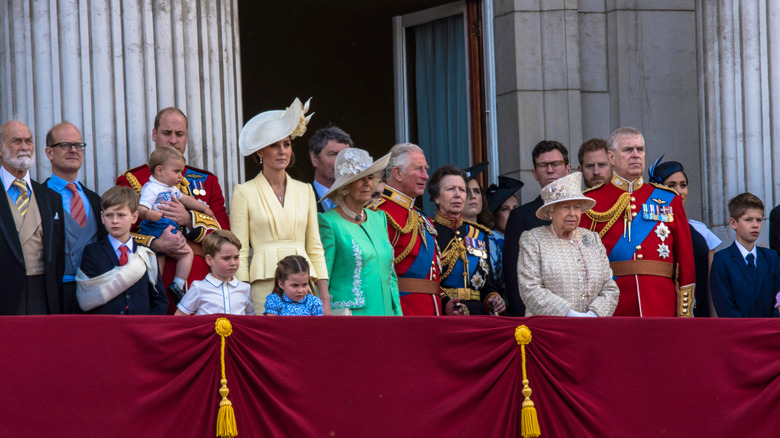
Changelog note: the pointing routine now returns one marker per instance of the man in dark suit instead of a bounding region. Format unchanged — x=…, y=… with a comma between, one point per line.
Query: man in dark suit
x=31, y=231
x=81, y=221
x=551, y=161
x=324, y=145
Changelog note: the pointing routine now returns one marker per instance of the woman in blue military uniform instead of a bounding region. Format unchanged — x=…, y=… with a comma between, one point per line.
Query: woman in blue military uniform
x=466, y=274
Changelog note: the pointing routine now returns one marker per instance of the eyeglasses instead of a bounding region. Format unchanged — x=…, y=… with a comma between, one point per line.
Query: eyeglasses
x=66, y=146
x=556, y=165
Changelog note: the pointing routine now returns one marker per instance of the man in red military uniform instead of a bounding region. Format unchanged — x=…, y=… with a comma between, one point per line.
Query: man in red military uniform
x=645, y=231
x=411, y=233
x=170, y=129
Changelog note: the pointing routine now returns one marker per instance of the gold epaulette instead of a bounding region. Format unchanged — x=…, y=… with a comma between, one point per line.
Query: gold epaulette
x=661, y=186
x=593, y=188
x=133, y=181
x=480, y=226
x=184, y=186
x=141, y=239
x=621, y=207
x=377, y=202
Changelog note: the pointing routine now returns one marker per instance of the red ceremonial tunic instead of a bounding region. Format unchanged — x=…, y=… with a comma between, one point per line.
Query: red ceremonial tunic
x=666, y=240
x=413, y=260
x=201, y=185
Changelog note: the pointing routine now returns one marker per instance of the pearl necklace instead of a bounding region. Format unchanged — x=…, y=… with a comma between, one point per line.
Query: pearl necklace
x=351, y=214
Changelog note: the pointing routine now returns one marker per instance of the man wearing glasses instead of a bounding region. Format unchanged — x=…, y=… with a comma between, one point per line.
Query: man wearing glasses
x=31, y=231
x=551, y=161
x=81, y=206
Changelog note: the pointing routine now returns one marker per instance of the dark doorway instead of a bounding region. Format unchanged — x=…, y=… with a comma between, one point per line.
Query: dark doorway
x=339, y=53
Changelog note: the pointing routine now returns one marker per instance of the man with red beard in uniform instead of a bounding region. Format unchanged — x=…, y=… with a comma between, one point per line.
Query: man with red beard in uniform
x=170, y=129
x=645, y=231
x=412, y=234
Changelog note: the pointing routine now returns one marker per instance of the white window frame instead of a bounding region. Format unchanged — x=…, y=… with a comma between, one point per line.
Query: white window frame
x=400, y=23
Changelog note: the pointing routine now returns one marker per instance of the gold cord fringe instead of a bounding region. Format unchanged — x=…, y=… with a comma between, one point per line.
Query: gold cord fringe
x=529, y=423
x=622, y=206
x=226, y=418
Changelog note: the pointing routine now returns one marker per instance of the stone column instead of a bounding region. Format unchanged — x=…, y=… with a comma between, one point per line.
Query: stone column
x=537, y=81
x=108, y=66
x=739, y=65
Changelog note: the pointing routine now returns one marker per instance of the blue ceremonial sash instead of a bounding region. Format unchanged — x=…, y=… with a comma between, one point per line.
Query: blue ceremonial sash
x=422, y=263
x=640, y=228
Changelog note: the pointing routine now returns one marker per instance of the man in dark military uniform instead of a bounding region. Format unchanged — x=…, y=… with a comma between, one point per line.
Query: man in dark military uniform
x=645, y=231
x=170, y=129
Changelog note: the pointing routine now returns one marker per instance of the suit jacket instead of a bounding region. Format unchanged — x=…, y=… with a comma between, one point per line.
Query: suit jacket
x=735, y=292
x=12, y=267
x=95, y=208
x=274, y=231
x=521, y=219
x=140, y=299
x=320, y=207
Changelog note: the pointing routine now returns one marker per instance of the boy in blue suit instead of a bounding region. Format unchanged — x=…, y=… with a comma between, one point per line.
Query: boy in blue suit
x=117, y=275
x=744, y=277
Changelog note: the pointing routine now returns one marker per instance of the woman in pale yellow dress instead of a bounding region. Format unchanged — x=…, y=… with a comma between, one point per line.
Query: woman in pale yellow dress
x=273, y=214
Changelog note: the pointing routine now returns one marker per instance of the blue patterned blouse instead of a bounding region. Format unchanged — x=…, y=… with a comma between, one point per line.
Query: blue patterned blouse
x=309, y=306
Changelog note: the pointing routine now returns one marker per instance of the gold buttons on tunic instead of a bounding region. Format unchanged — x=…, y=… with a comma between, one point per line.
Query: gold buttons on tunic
x=639, y=247
x=639, y=257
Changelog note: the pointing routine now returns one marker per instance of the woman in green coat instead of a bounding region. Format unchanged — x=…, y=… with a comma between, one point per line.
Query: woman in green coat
x=357, y=248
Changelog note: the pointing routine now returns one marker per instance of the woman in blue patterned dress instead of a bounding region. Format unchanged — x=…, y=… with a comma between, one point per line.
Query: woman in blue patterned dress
x=355, y=240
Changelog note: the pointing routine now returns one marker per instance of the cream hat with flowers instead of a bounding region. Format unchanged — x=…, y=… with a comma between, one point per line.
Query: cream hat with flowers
x=568, y=188
x=269, y=127
x=353, y=164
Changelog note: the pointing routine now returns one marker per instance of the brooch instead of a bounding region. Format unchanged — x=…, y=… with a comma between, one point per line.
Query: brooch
x=663, y=250
x=662, y=231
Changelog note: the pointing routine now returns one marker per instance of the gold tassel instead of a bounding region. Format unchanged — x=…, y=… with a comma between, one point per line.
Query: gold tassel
x=226, y=418
x=529, y=423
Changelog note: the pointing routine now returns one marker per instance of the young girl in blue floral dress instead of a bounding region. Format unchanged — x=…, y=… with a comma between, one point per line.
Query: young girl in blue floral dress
x=291, y=290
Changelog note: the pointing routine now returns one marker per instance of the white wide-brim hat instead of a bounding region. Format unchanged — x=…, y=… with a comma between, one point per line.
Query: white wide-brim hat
x=353, y=164
x=269, y=127
x=565, y=189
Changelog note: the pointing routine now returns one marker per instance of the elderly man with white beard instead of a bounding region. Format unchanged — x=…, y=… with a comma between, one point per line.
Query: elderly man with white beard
x=31, y=231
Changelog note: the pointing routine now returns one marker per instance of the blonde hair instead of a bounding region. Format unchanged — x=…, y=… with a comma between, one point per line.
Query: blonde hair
x=161, y=155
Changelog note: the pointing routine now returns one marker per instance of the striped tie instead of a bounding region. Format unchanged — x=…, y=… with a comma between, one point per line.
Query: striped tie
x=76, y=205
x=23, y=201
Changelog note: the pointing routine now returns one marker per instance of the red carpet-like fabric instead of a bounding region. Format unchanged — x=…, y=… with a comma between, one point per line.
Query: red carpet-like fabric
x=99, y=376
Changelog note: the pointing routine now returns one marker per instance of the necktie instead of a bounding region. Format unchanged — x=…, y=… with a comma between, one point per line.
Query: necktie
x=123, y=256
x=751, y=259
x=76, y=205
x=23, y=201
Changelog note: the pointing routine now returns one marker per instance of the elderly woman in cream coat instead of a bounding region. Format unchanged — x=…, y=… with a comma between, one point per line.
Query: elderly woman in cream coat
x=273, y=214
x=563, y=270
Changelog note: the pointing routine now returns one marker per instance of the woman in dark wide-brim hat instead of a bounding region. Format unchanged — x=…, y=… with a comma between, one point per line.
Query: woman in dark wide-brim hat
x=672, y=174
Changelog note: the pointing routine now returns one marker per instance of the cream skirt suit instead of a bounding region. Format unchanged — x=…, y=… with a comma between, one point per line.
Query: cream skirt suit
x=274, y=231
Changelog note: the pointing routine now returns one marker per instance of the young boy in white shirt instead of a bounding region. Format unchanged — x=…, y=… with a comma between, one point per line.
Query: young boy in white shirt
x=220, y=291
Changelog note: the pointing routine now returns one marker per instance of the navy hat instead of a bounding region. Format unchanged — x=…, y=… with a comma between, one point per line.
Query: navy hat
x=497, y=194
x=659, y=172
x=476, y=169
